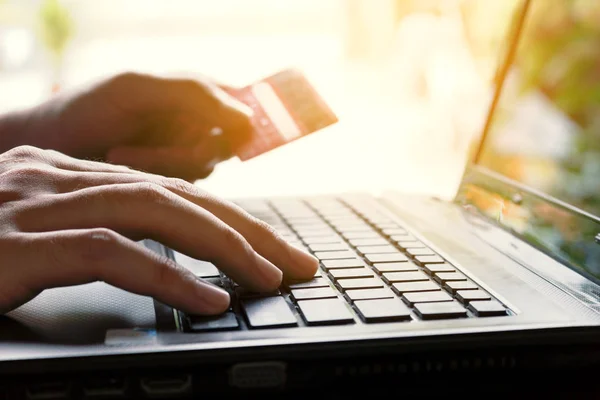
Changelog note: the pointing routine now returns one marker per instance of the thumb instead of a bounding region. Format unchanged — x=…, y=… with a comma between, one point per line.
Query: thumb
x=189, y=163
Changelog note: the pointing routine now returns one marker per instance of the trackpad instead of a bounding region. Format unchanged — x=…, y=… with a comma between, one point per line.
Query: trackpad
x=77, y=315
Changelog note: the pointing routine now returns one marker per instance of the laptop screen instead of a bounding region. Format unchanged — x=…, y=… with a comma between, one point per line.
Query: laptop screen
x=545, y=132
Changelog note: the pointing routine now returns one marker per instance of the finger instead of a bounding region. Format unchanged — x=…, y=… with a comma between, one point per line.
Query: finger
x=147, y=210
x=188, y=163
x=295, y=263
x=73, y=257
x=140, y=92
x=65, y=162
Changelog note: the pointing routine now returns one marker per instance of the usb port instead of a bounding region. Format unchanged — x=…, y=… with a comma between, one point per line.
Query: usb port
x=166, y=385
x=48, y=390
x=104, y=387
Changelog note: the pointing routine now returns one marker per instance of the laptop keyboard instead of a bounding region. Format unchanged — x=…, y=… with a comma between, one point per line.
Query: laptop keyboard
x=372, y=270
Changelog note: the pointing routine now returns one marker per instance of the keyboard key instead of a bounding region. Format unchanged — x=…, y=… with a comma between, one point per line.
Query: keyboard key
x=366, y=294
x=360, y=283
x=202, y=269
x=413, y=244
x=445, y=310
x=352, y=228
x=444, y=277
x=318, y=273
x=382, y=310
x=377, y=249
x=430, y=259
x=487, y=308
x=313, y=283
x=395, y=267
x=311, y=233
x=328, y=247
x=394, y=231
x=368, y=242
x=433, y=268
x=414, y=276
x=335, y=255
x=385, y=224
x=421, y=251
x=362, y=235
x=465, y=296
x=201, y=323
x=268, y=312
x=363, y=272
x=243, y=292
x=378, y=258
x=325, y=312
x=454, y=286
x=322, y=239
x=314, y=293
x=408, y=287
x=406, y=237
x=335, y=264
x=426, y=297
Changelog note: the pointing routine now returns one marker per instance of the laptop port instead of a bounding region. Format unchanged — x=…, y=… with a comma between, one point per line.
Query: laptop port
x=258, y=375
x=166, y=385
x=48, y=390
x=104, y=387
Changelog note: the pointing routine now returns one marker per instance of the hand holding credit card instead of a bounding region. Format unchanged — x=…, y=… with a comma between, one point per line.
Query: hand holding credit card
x=286, y=107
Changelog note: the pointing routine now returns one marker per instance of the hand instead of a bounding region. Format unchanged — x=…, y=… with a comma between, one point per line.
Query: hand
x=158, y=125
x=66, y=221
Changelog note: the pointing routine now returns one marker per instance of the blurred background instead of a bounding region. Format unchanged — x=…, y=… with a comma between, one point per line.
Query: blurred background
x=410, y=80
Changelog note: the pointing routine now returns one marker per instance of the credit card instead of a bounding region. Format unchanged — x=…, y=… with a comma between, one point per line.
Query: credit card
x=286, y=108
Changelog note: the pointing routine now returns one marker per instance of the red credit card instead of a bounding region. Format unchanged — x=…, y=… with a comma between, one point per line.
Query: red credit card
x=286, y=107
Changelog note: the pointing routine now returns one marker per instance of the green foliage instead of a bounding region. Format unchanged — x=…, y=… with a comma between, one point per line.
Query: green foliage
x=56, y=27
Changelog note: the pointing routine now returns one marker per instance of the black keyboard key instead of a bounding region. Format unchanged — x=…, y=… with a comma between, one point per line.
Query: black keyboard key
x=411, y=276
x=454, y=286
x=322, y=239
x=381, y=258
x=465, y=296
x=363, y=272
x=335, y=264
x=314, y=293
x=202, y=323
x=426, y=297
x=429, y=259
x=368, y=242
x=433, y=268
x=382, y=310
x=243, y=292
x=359, y=283
x=377, y=249
x=445, y=310
x=313, y=283
x=487, y=308
x=421, y=251
x=409, y=287
x=362, y=235
x=268, y=312
x=335, y=255
x=328, y=247
x=325, y=312
x=202, y=269
x=367, y=294
x=395, y=267
x=443, y=277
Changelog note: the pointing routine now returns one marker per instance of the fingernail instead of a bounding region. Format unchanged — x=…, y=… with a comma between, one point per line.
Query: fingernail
x=244, y=109
x=213, y=299
x=304, y=265
x=271, y=275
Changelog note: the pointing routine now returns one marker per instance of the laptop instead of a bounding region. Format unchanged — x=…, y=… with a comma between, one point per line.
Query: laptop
x=413, y=294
